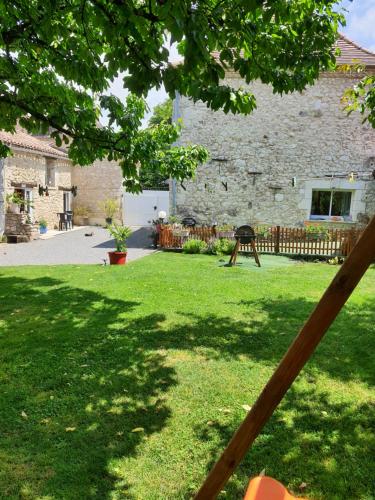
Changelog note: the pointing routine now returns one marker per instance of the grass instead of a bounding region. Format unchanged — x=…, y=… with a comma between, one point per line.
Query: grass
x=127, y=383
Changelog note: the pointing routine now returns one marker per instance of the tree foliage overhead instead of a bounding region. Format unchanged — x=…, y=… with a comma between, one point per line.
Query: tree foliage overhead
x=149, y=176
x=361, y=98
x=162, y=113
x=58, y=58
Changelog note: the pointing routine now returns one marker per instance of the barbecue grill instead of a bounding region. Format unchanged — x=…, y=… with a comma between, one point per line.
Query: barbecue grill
x=245, y=235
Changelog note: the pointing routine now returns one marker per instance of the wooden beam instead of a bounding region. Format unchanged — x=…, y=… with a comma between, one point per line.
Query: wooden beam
x=23, y=185
x=331, y=303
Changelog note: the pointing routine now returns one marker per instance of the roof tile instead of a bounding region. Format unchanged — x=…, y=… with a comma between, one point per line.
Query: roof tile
x=26, y=141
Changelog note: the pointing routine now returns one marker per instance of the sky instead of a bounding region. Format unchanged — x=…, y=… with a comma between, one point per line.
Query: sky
x=360, y=22
x=360, y=27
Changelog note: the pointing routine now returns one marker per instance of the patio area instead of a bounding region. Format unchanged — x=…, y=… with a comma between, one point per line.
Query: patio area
x=82, y=245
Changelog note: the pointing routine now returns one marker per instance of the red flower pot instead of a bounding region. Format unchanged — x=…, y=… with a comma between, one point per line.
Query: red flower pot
x=117, y=258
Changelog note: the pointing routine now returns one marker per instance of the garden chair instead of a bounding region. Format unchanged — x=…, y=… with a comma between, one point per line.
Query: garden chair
x=63, y=221
x=69, y=219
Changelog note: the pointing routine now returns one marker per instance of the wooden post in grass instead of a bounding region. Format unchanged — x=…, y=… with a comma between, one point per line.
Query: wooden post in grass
x=331, y=303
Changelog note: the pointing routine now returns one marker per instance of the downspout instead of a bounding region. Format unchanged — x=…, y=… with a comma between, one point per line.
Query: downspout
x=175, y=118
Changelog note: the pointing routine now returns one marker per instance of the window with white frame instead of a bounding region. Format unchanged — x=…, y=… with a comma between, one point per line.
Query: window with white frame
x=50, y=173
x=27, y=195
x=331, y=202
x=67, y=198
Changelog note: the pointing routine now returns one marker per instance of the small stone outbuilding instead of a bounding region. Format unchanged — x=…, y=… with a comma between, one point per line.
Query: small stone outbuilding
x=44, y=176
x=296, y=158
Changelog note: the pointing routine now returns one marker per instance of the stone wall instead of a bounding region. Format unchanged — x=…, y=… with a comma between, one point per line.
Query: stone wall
x=96, y=183
x=254, y=158
x=29, y=169
x=15, y=224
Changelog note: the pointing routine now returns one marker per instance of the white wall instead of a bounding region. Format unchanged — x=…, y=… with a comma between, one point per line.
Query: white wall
x=141, y=209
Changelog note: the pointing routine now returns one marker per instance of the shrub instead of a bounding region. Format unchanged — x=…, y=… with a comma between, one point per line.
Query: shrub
x=227, y=246
x=194, y=246
x=109, y=207
x=316, y=232
x=222, y=246
x=263, y=231
x=225, y=227
x=81, y=211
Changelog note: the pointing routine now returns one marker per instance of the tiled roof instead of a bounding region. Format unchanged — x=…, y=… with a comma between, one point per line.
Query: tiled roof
x=353, y=53
x=26, y=141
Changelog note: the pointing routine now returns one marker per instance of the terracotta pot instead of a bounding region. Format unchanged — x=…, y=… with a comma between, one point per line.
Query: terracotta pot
x=117, y=258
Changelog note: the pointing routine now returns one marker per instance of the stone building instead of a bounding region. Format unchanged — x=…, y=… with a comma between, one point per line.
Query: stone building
x=296, y=158
x=35, y=168
x=96, y=183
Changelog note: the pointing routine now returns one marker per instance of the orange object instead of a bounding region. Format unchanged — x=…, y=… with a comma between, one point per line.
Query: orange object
x=267, y=488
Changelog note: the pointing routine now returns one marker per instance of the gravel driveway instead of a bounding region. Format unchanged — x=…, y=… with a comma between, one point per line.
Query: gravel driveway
x=73, y=247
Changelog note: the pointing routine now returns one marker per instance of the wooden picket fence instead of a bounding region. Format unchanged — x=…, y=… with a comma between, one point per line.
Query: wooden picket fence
x=276, y=239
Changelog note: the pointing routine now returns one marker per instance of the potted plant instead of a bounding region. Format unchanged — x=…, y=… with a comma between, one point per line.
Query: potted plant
x=81, y=216
x=42, y=226
x=225, y=231
x=120, y=235
x=109, y=207
x=15, y=201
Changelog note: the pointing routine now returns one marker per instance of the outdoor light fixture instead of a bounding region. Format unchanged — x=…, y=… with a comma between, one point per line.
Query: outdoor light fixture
x=162, y=215
x=74, y=190
x=351, y=177
x=43, y=190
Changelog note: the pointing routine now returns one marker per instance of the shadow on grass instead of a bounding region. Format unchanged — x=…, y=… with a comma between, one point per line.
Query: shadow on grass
x=328, y=446
x=345, y=353
x=82, y=374
x=78, y=382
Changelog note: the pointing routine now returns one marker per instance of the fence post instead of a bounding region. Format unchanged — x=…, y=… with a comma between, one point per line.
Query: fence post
x=277, y=241
x=353, y=238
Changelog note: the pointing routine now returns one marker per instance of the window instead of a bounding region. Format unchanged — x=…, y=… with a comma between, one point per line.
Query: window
x=27, y=195
x=50, y=173
x=327, y=203
x=67, y=201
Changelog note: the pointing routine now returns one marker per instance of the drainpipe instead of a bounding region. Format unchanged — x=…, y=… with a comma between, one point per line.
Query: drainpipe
x=175, y=117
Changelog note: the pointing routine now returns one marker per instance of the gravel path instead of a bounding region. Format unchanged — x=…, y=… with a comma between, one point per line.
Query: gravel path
x=73, y=248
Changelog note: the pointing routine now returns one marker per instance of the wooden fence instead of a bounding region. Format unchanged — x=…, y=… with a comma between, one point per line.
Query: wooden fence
x=276, y=239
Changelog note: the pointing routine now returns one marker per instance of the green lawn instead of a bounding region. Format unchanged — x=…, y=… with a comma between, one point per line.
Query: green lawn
x=126, y=383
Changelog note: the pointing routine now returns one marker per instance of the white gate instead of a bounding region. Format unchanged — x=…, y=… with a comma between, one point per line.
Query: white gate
x=141, y=209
